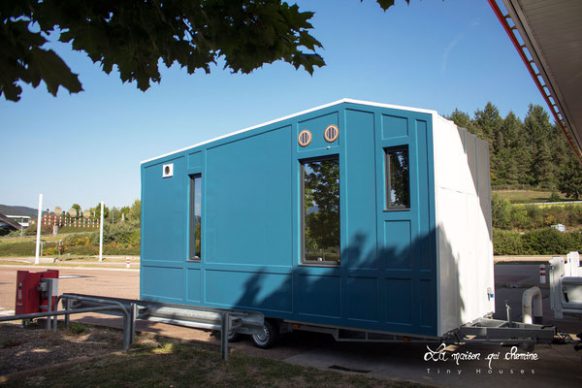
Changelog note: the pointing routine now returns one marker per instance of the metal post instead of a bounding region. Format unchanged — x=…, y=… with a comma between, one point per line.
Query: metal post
x=101, y=234
x=67, y=303
x=508, y=310
x=49, y=306
x=126, y=331
x=542, y=274
x=38, y=229
x=54, y=292
x=224, y=331
x=132, y=319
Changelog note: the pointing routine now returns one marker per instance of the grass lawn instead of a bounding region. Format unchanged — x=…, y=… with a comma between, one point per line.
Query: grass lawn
x=81, y=246
x=526, y=196
x=164, y=363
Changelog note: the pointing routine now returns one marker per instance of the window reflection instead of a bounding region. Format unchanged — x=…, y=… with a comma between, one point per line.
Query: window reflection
x=321, y=210
x=196, y=217
x=397, y=178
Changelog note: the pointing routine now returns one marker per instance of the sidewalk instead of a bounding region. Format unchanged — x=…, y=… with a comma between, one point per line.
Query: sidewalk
x=120, y=262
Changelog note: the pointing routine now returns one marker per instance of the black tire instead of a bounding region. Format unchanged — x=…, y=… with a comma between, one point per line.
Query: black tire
x=267, y=337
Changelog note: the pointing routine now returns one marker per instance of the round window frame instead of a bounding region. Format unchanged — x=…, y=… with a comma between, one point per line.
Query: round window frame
x=328, y=138
x=309, y=137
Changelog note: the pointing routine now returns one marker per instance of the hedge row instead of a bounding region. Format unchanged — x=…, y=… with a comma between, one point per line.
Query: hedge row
x=523, y=217
x=118, y=239
x=545, y=241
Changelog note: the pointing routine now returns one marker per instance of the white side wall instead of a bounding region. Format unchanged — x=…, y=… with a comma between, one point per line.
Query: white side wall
x=464, y=231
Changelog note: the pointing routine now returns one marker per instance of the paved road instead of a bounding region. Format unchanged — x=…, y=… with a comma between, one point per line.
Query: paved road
x=106, y=282
x=558, y=365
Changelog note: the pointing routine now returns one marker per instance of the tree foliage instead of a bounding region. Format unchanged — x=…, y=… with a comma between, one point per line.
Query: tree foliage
x=532, y=153
x=137, y=37
x=571, y=179
x=97, y=211
x=322, y=232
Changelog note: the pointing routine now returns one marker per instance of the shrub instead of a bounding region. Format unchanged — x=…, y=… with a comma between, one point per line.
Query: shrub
x=123, y=233
x=523, y=217
x=501, y=209
x=554, y=197
x=507, y=243
x=24, y=248
x=519, y=218
x=550, y=242
x=545, y=241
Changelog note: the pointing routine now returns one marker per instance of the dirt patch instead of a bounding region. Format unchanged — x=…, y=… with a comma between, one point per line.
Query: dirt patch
x=91, y=357
x=33, y=347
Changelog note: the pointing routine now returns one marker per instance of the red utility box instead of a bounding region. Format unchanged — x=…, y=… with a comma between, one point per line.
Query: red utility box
x=29, y=296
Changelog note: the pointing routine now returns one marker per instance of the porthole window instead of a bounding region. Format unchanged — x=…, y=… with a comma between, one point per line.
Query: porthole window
x=304, y=138
x=331, y=133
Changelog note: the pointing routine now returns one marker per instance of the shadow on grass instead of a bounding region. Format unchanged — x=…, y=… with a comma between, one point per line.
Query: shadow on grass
x=171, y=363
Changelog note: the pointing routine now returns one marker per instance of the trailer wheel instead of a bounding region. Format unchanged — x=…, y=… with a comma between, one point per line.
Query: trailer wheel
x=267, y=337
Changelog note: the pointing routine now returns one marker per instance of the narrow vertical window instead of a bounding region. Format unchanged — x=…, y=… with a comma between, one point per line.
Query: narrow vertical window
x=195, y=217
x=397, y=178
x=321, y=211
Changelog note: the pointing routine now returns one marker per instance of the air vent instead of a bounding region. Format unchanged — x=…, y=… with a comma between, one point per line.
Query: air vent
x=168, y=170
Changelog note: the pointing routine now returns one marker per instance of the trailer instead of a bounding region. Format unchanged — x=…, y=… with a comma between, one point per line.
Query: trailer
x=354, y=216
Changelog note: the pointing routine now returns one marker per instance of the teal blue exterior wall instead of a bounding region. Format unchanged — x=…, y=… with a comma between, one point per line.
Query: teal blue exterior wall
x=251, y=225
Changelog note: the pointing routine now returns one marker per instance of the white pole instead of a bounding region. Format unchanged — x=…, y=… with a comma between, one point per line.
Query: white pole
x=38, y=228
x=101, y=235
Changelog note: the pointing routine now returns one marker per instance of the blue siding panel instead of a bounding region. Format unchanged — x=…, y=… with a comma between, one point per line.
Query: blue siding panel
x=394, y=126
x=251, y=230
x=194, y=285
x=249, y=201
x=253, y=289
x=164, y=217
x=328, y=291
x=358, y=289
x=399, y=302
x=397, y=244
x=163, y=282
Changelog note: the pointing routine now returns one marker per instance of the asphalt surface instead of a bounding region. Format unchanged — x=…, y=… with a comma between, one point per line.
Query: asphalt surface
x=556, y=365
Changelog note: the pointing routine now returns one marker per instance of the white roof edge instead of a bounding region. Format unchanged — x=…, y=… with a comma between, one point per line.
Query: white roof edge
x=343, y=100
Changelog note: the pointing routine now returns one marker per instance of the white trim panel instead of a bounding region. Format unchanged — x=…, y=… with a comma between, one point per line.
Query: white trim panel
x=463, y=222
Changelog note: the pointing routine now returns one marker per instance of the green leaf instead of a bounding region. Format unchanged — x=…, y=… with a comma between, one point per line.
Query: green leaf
x=54, y=71
x=135, y=38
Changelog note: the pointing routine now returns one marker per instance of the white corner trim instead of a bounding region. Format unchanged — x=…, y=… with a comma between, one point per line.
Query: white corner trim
x=338, y=102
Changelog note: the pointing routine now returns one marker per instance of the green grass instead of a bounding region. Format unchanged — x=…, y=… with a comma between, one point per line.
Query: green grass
x=21, y=248
x=77, y=244
x=171, y=364
x=526, y=196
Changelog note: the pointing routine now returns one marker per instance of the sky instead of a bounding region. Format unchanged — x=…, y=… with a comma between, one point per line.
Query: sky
x=87, y=147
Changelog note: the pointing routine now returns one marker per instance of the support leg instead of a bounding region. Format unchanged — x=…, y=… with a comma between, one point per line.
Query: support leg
x=224, y=331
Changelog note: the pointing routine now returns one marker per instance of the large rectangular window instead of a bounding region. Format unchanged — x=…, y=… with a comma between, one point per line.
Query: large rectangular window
x=195, y=217
x=320, y=179
x=397, y=178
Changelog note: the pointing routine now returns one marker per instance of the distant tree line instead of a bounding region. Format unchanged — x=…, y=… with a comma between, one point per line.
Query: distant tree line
x=532, y=153
x=130, y=213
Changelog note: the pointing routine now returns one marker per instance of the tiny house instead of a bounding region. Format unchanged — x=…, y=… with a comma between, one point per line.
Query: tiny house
x=353, y=215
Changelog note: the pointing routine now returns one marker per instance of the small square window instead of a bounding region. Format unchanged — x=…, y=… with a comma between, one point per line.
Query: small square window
x=397, y=178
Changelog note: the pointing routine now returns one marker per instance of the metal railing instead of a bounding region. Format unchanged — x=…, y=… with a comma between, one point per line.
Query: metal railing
x=128, y=326
x=222, y=320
